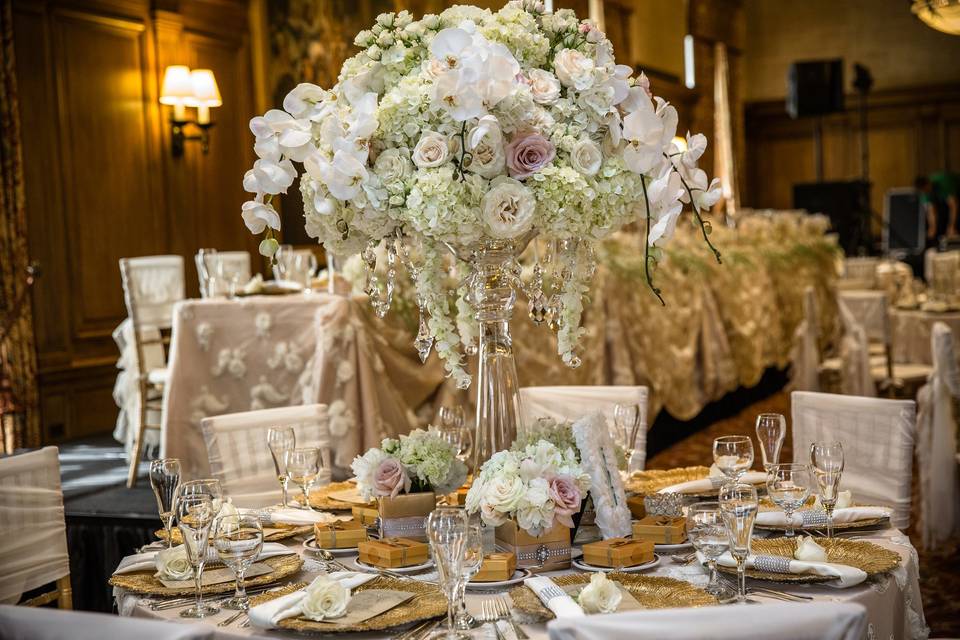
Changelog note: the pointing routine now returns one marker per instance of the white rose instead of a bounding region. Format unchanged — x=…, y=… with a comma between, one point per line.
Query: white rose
x=574, y=69
x=501, y=497
x=809, y=551
x=432, y=150
x=508, y=208
x=586, y=157
x=602, y=595
x=173, y=564
x=364, y=467
x=544, y=86
x=393, y=167
x=228, y=510
x=325, y=599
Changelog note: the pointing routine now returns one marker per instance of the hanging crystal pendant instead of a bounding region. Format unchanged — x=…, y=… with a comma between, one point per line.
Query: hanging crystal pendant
x=537, y=301
x=423, y=343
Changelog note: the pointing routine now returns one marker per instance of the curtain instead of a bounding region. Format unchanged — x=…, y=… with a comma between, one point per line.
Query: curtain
x=18, y=363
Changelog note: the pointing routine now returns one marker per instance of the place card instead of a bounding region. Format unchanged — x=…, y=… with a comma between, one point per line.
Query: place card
x=368, y=604
x=218, y=576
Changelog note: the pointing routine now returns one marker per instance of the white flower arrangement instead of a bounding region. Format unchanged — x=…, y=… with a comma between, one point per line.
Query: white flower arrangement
x=474, y=126
x=419, y=461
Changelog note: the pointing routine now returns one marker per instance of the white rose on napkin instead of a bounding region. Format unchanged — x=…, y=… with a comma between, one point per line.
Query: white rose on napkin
x=173, y=564
x=809, y=551
x=844, y=501
x=326, y=598
x=601, y=595
x=227, y=509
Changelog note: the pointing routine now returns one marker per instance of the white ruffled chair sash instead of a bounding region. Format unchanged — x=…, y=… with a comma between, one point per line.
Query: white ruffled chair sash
x=805, y=356
x=126, y=390
x=855, y=376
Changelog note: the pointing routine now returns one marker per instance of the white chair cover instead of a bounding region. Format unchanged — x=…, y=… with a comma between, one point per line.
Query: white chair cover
x=126, y=390
x=573, y=402
x=937, y=442
x=856, y=378
x=156, y=284
x=234, y=265
x=859, y=273
x=805, y=358
x=240, y=458
x=33, y=535
x=869, y=310
x=878, y=438
x=30, y=623
x=781, y=621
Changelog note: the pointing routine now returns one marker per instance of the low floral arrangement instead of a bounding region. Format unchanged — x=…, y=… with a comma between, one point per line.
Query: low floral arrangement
x=560, y=434
x=419, y=461
x=538, y=486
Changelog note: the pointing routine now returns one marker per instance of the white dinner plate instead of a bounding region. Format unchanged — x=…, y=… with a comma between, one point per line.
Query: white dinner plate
x=671, y=548
x=363, y=566
x=310, y=544
x=518, y=576
x=580, y=564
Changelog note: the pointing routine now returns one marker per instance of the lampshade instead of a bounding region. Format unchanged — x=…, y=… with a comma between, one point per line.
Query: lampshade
x=942, y=15
x=205, y=90
x=177, y=87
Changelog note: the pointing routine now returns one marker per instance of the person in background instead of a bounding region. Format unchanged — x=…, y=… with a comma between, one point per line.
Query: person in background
x=939, y=195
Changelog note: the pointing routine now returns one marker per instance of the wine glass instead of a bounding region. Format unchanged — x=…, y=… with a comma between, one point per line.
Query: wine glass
x=451, y=430
x=771, y=431
x=708, y=534
x=626, y=422
x=165, y=480
x=238, y=540
x=195, y=513
x=447, y=531
x=303, y=465
x=280, y=440
x=739, y=506
x=210, y=486
x=788, y=485
x=472, y=560
x=826, y=461
x=733, y=455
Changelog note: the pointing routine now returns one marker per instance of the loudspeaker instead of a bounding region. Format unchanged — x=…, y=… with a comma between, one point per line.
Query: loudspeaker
x=847, y=204
x=815, y=88
x=904, y=222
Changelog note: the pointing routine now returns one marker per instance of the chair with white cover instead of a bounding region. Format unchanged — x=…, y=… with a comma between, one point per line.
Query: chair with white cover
x=573, y=402
x=853, y=365
x=878, y=437
x=20, y=623
x=240, y=458
x=805, y=356
x=780, y=621
x=151, y=286
x=858, y=273
x=232, y=266
x=937, y=442
x=33, y=534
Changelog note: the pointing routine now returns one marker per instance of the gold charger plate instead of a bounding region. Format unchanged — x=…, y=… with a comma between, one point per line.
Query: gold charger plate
x=653, y=480
x=144, y=582
x=867, y=556
x=320, y=497
x=767, y=505
x=286, y=531
x=428, y=602
x=652, y=592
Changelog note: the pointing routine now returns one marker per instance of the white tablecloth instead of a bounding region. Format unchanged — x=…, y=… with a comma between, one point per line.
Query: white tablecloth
x=911, y=333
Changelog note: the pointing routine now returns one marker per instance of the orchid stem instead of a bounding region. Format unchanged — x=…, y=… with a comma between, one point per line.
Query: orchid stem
x=646, y=246
x=696, y=213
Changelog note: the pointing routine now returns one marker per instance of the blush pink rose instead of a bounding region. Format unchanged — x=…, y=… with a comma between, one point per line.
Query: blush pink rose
x=390, y=478
x=566, y=498
x=527, y=154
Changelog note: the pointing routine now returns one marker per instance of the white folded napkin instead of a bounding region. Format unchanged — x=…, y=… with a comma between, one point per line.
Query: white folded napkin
x=287, y=515
x=845, y=575
x=705, y=485
x=254, y=285
x=840, y=516
x=553, y=597
x=146, y=561
x=269, y=614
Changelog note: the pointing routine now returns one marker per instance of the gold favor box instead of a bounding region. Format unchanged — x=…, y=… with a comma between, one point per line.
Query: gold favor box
x=546, y=552
x=365, y=515
x=392, y=553
x=496, y=567
x=406, y=515
x=661, y=529
x=637, y=508
x=339, y=535
x=618, y=552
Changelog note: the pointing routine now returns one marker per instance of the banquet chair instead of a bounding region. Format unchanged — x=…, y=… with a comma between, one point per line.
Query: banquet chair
x=574, y=402
x=853, y=364
x=240, y=458
x=33, y=533
x=878, y=437
x=805, y=355
x=19, y=623
x=858, y=273
x=937, y=441
x=233, y=265
x=151, y=286
x=780, y=621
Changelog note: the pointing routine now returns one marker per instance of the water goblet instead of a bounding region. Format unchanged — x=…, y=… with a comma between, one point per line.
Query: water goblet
x=771, y=431
x=739, y=506
x=826, y=461
x=280, y=440
x=626, y=421
x=447, y=532
x=708, y=534
x=303, y=465
x=472, y=560
x=165, y=480
x=788, y=485
x=195, y=513
x=238, y=540
x=733, y=455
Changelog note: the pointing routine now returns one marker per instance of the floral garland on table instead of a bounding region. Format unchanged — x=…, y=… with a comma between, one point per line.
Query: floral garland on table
x=420, y=461
x=472, y=127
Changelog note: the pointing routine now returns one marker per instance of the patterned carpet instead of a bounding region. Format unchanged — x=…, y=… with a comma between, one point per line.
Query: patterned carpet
x=939, y=569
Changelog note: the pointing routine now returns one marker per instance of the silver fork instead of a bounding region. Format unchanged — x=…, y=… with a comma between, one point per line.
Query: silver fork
x=488, y=613
x=773, y=593
x=231, y=619
x=503, y=609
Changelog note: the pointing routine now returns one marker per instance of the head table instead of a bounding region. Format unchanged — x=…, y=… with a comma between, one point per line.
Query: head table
x=892, y=601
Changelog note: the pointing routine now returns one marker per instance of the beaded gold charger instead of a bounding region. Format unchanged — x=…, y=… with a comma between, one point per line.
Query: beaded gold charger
x=320, y=497
x=144, y=581
x=427, y=602
x=282, y=532
x=767, y=505
x=652, y=592
x=653, y=480
x=866, y=556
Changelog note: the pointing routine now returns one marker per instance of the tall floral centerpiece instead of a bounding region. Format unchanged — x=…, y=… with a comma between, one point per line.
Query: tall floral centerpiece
x=449, y=143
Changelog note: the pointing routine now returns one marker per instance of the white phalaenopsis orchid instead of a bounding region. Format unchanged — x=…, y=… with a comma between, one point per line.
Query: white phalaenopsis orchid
x=269, y=176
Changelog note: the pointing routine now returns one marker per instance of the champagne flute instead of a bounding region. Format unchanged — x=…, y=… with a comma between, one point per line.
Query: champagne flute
x=771, y=431
x=195, y=513
x=165, y=480
x=303, y=464
x=280, y=440
x=788, y=485
x=826, y=460
x=472, y=560
x=739, y=506
x=238, y=540
x=626, y=420
x=447, y=532
x=708, y=534
x=733, y=455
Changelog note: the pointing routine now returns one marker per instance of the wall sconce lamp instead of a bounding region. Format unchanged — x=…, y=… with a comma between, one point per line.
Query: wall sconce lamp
x=184, y=88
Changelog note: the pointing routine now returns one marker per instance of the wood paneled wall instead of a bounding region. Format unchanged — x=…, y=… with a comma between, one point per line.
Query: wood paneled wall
x=100, y=181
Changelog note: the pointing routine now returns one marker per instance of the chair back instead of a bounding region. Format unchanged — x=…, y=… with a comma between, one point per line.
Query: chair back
x=33, y=534
x=573, y=402
x=859, y=273
x=856, y=377
x=805, y=358
x=151, y=286
x=240, y=458
x=229, y=265
x=878, y=438
x=869, y=310
x=21, y=623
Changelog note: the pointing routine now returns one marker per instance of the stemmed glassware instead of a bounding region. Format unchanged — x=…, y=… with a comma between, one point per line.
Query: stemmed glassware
x=472, y=559
x=453, y=430
x=626, y=424
x=447, y=531
x=771, y=431
x=826, y=461
x=195, y=513
x=303, y=465
x=238, y=540
x=733, y=455
x=165, y=480
x=708, y=534
x=788, y=485
x=280, y=440
x=739, y=506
